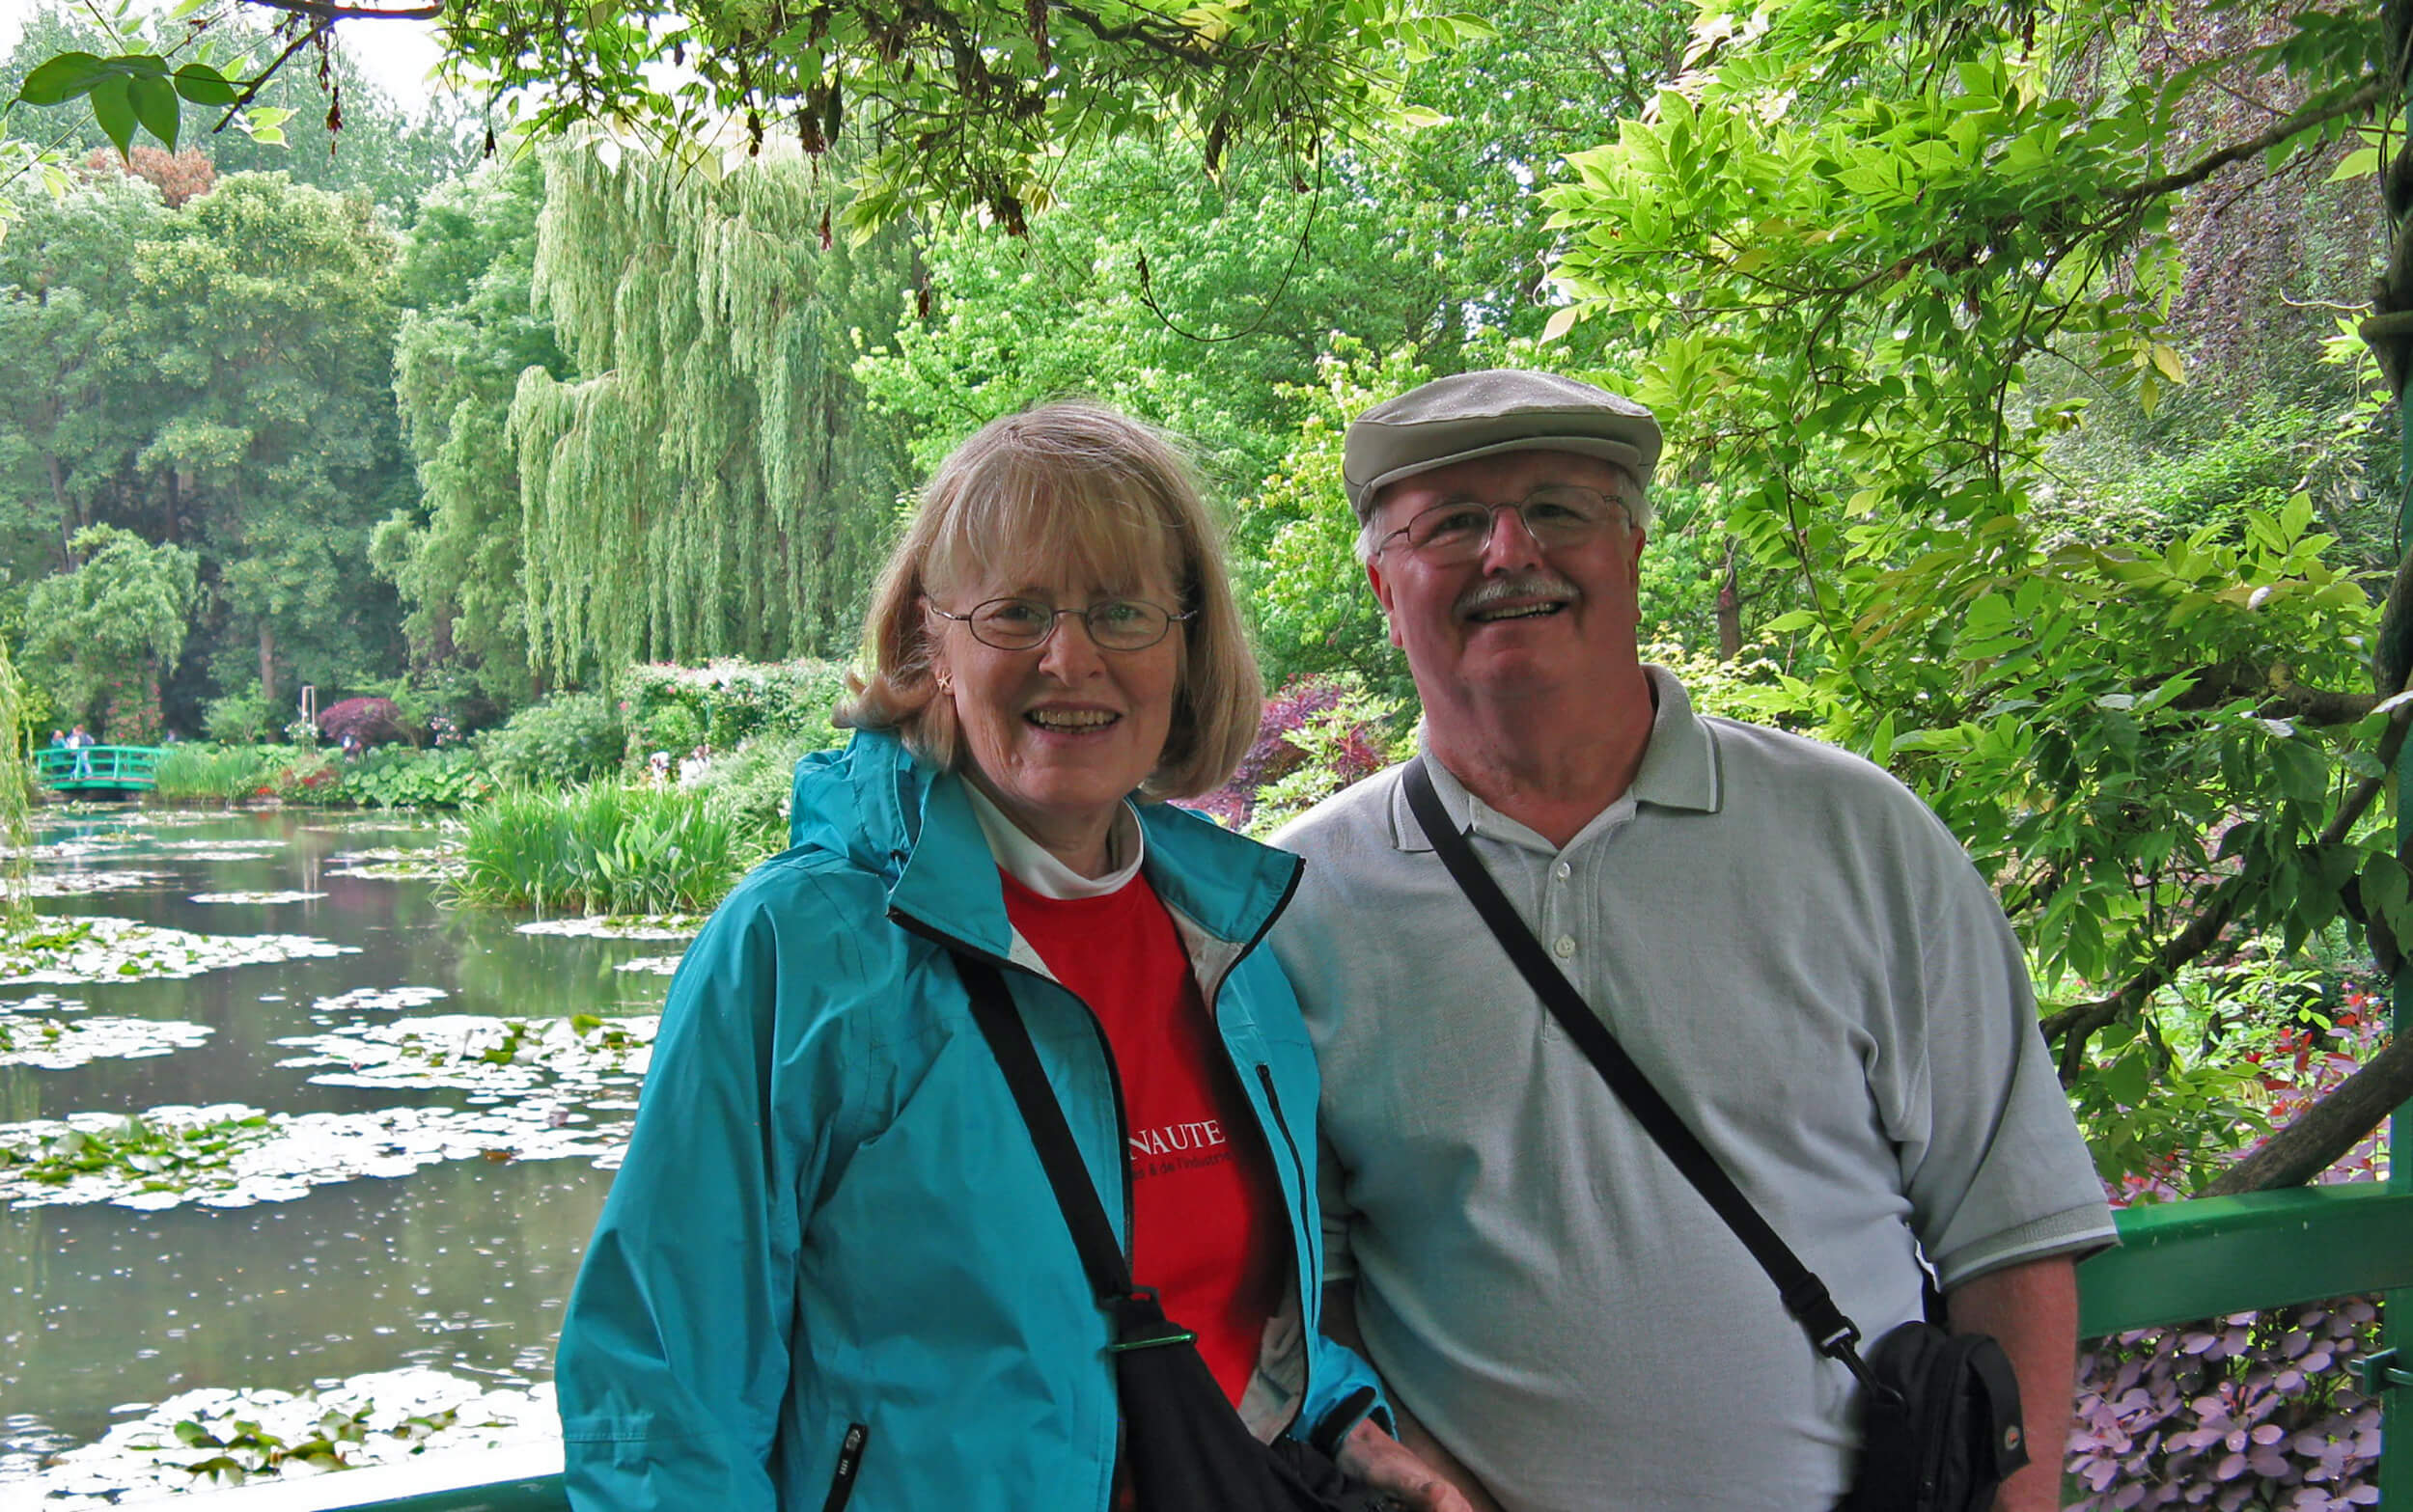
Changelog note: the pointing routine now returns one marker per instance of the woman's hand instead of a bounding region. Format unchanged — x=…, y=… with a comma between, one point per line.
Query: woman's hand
x=1383, y=1463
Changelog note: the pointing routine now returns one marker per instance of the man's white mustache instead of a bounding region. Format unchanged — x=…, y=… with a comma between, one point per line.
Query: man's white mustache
x=1521, y=584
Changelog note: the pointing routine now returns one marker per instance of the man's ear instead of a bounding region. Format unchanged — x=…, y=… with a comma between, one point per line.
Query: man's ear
x=1382, y=596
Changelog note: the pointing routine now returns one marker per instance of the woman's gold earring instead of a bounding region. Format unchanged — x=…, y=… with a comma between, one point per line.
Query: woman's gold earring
x=946, y=684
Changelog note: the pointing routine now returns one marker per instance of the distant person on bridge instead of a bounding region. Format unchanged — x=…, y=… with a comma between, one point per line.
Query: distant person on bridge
x=81, y=743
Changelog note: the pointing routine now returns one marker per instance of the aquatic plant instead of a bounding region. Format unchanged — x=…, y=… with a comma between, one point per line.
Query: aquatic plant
x=162, y=1153
x=51, y=1044
x=227, y=1155
x=212, y=1436
x=603, y=848
x=400, y=777
x=102, y=949
x=197, y=769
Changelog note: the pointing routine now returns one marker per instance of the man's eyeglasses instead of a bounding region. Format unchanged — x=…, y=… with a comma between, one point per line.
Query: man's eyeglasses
x=1022, y=624
x=1559, y=514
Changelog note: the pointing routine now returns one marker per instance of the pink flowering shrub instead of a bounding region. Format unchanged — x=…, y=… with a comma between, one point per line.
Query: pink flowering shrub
x=370, y=721
x=2252, y=1410
x=1319, y=735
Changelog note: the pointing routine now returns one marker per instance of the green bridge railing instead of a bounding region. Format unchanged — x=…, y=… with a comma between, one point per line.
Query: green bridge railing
x=123, y=767
x=2177, y=1263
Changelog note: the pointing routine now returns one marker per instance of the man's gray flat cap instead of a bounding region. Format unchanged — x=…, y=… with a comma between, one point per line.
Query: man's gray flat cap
x=1477, y=414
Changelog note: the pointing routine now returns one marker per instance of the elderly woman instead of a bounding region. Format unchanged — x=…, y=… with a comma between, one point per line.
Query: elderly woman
x=832, y=1272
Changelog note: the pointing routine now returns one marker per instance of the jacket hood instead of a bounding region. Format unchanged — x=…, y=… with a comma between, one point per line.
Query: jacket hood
x=890, y=814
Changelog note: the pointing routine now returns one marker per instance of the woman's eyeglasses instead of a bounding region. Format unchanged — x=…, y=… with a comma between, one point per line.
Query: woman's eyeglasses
x=1022, y=624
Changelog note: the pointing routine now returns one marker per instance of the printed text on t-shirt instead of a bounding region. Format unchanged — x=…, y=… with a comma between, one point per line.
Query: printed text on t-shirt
x=1178, y=1146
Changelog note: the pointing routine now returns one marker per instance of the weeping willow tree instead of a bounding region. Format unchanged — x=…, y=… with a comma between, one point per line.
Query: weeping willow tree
x=708, y=480
x=16, y=904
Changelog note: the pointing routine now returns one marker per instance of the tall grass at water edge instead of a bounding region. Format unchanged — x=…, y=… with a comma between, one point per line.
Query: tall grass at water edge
x=606, y=849
x=198, y=770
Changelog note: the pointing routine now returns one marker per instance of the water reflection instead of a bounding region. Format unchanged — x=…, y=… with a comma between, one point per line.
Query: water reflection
x=461, y=1265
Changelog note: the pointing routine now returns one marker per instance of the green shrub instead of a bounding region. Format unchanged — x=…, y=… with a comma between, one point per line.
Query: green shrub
x=751, y=784
x=197, y=769
x=603, y=848
x=400, y=778
x=570, y=737
x=239, y=719
x=728, y=703
x=300, y=774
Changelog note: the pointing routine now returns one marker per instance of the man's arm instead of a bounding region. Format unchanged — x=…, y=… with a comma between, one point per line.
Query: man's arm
x=2032, y=1310
x=1340, y=1322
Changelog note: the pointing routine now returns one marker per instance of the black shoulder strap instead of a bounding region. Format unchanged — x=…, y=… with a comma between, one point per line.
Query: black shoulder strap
x=1805, y=1295
x=1009, y=1041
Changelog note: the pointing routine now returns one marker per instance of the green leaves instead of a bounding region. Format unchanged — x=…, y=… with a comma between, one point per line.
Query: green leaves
x=129, y=92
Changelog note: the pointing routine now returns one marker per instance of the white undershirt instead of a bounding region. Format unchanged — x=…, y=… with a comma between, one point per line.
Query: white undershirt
x=1034, y=866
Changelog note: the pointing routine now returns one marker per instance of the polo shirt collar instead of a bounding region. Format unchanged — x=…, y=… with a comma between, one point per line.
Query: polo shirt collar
x=1679, y=770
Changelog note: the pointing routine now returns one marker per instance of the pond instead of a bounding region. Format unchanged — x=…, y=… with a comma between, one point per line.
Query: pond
x=346, y=1133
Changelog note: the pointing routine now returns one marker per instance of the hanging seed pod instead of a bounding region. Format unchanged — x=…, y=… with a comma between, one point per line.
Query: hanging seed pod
x=1035, y=14
x=833, y=112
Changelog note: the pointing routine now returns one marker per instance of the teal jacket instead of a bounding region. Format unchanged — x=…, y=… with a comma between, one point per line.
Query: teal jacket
x=831, y=1272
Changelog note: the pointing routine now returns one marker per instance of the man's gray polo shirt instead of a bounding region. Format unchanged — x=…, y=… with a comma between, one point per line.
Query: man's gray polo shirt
x=1801, y=958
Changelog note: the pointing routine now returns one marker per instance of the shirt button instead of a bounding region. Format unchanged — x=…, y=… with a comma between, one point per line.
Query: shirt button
x=1563, y=871
x=1564, y=946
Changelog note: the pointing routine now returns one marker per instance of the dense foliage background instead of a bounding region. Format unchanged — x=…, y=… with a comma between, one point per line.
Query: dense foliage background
x=2019, y=439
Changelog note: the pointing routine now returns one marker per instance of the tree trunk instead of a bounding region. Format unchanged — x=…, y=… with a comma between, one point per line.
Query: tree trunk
x=67, y=524
x=1730, y=611
x=267, y=664
x=2318, y=1135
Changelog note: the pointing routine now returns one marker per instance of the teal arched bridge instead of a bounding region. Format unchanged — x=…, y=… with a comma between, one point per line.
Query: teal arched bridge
x=123, y=768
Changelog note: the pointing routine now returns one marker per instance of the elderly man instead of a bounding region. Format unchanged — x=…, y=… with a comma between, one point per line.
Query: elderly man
x=1783, y=939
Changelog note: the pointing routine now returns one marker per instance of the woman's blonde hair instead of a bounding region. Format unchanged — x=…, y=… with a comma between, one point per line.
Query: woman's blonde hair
x=1065, y=486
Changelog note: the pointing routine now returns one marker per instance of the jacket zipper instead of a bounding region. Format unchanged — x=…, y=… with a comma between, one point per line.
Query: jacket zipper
x=850, y=1464
x=1114, y=1071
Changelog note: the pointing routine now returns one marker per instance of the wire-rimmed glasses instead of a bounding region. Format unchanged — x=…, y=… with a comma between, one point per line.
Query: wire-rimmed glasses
x=1555, y=515
x=1023, y=624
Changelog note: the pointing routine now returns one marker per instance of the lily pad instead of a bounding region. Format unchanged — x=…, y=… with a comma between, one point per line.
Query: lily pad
x=62, y=1044
x=256, y=897
x=212, y=1439
x=102, y=949
x=659, y=965
x=238, y=848
x=366, y=1000
x=620, y=927
x=428, y=863
x=505, y=1057
x=77, y=884
x=231, y=1156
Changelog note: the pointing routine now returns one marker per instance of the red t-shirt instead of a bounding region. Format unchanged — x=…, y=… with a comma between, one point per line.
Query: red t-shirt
x=1208, y=1229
